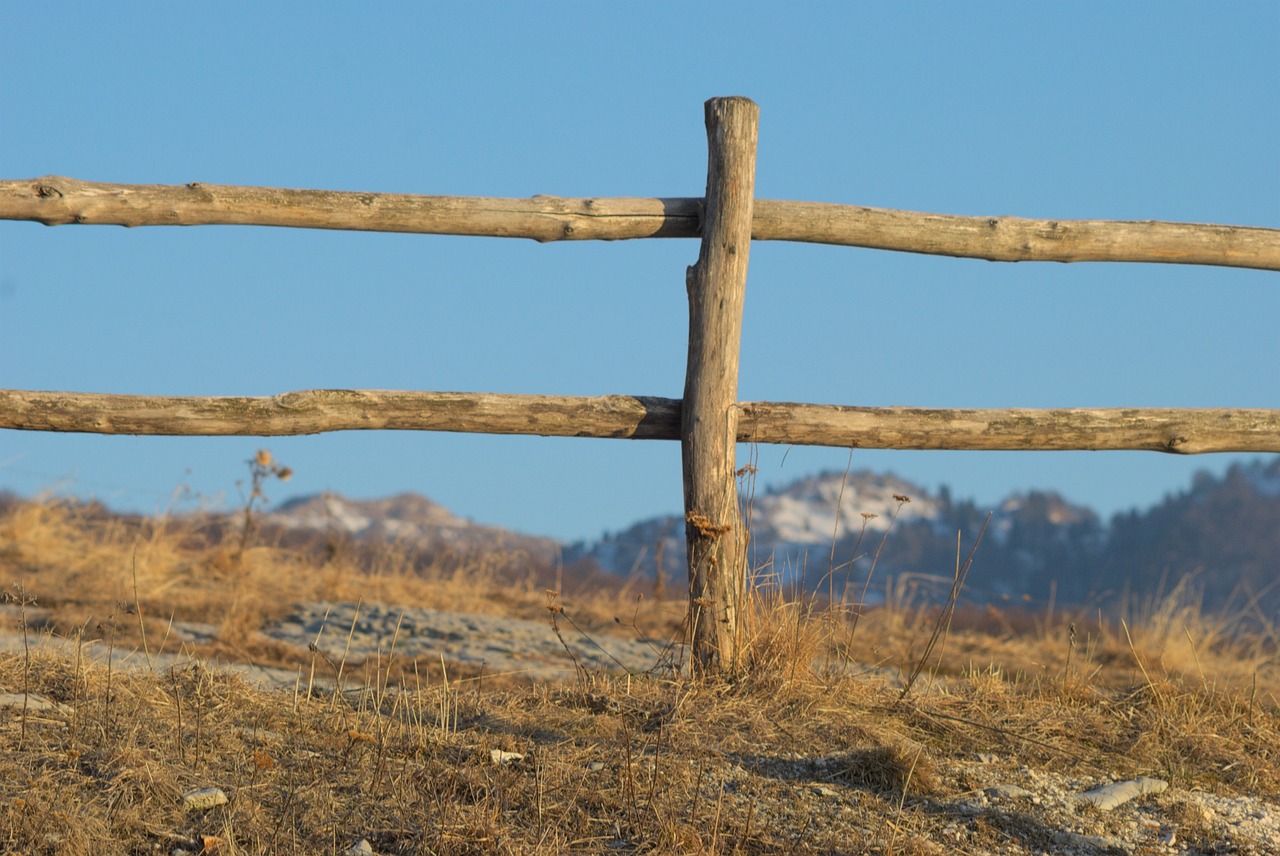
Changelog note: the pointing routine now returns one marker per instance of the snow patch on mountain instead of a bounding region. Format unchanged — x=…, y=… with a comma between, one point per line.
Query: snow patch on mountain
x=406, y=517
x=788, y=525
x=405, y=514
x=831, y=506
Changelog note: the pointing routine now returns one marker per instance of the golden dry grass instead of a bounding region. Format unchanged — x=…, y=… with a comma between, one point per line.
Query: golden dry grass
x=802, y=750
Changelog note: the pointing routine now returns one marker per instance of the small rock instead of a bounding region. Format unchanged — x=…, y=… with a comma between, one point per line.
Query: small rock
x=601, y=703
x=823, y=791
x=201, y=845
x=1108, y=797
x=501, y=757
x=202, y=799
x=596, y=766
x=360, y=848
x=31, y=701
x=1092, y=842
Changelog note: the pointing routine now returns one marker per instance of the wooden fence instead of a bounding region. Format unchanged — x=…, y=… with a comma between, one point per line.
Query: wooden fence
x=708, y=420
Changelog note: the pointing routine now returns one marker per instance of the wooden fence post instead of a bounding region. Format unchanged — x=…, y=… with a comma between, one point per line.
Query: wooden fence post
x=708, y=427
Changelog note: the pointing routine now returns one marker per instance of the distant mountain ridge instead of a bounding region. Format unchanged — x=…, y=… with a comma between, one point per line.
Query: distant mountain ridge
x=1223, y=531
x=810, y=528
x=404, y=517
x=1223, y=534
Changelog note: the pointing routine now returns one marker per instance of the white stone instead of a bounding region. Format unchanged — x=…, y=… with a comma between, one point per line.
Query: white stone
x=1108, y=797
x=202, y=799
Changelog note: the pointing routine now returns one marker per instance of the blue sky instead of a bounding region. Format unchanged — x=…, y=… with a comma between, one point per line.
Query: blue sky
x=1131, y=111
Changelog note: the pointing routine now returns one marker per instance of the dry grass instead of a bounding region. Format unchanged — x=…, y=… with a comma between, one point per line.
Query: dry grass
x=125, y=579
x=804, y=750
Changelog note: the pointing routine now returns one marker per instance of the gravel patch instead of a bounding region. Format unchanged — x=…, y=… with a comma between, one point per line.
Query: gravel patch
x=498, y=645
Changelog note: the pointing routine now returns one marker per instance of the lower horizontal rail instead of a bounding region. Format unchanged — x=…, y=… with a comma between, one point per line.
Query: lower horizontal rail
x=1177, y=430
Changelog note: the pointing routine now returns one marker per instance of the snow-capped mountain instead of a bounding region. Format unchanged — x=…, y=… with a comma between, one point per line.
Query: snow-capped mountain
x=833, y=523
x=816, y=510
x=406, y=517
x=1223, y=533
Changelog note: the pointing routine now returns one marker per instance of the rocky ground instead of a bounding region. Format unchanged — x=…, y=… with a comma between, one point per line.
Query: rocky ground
x=535, y=650
x=1034, y=808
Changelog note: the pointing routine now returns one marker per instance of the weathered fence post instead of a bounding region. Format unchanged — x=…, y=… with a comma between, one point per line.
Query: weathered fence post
x=709, y=419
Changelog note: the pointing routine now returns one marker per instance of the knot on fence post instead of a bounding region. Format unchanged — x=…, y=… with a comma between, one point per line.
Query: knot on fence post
x=705, y=527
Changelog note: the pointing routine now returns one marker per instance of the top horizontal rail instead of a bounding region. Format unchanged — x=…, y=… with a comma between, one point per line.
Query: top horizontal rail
x=56, y=200
x=640, y=417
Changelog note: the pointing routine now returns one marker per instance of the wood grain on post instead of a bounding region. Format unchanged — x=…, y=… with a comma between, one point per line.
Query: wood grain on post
x=709, y=418
x=57, y=200
x=1182, y=431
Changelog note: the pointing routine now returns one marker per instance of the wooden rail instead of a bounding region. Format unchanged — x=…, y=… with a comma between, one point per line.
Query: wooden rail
x=56, y=200
x=708, y=420
x=1181, y=431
